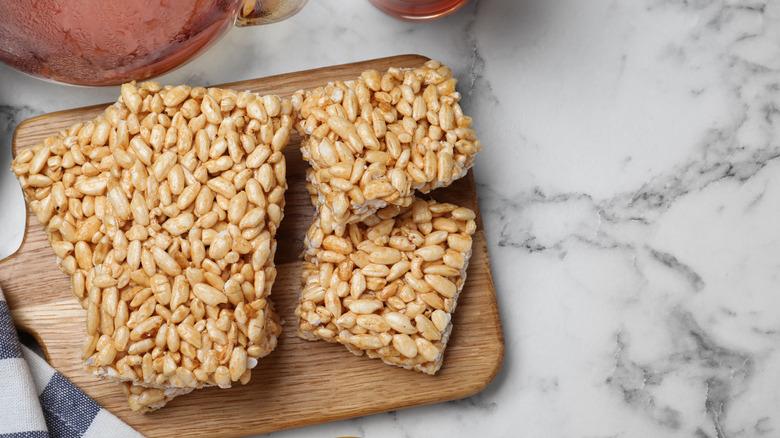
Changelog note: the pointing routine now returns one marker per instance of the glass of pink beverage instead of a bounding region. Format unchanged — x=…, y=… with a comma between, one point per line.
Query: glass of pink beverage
x=418, y=10
x=99, y=42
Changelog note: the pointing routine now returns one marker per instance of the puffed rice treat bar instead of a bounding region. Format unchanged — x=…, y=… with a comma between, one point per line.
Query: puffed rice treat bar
x=374, y=140
x=163, y=210
x=388, y=286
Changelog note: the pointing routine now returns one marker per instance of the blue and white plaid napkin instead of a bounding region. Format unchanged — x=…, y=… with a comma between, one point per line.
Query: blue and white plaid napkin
x=37, y=401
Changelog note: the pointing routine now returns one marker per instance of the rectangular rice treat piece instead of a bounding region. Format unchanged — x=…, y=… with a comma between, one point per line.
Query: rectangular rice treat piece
x=374, y=141
x=388, y=286
x=163, y=210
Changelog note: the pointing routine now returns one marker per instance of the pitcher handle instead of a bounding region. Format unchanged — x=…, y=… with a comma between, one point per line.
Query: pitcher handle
x=267, y=11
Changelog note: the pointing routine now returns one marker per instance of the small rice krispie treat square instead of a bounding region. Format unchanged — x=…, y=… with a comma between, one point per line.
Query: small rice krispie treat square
x=164, y=210
x=388, y=286
x=375, y=140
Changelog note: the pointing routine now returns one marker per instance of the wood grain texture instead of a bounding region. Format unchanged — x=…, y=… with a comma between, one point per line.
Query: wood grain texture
x=301, y=382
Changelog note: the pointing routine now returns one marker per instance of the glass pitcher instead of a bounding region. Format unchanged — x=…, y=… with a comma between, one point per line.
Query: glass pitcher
x=100, y=42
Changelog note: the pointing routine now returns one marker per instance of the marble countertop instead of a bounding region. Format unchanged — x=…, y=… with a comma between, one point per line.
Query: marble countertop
x=630, y=190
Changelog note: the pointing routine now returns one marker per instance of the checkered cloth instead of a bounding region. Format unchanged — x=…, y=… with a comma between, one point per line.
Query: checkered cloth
x=36, y=401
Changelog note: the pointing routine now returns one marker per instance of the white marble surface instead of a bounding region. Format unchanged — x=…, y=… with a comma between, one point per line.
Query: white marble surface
x=630, y=189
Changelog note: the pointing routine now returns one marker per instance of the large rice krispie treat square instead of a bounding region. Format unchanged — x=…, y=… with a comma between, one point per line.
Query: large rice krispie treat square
x=387, y=286
x=375, y=140
x=164, y=210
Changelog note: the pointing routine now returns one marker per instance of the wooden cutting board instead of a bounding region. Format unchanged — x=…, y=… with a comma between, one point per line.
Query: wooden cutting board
x=301, y=382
